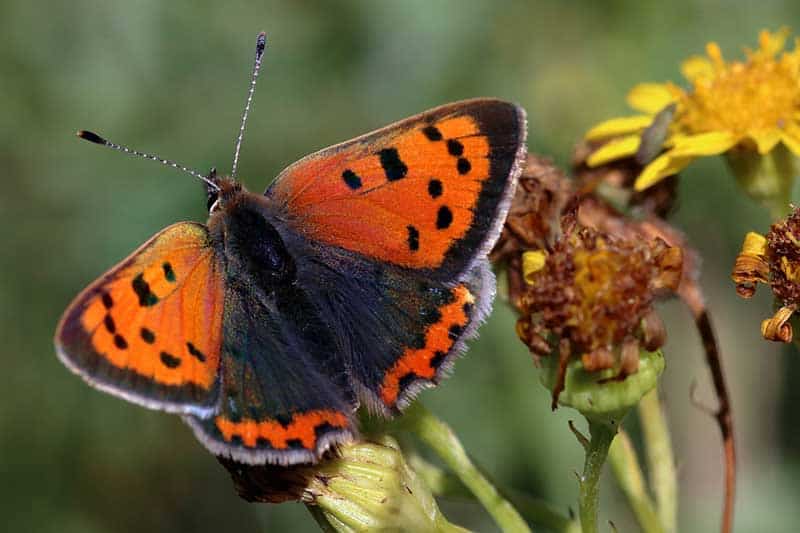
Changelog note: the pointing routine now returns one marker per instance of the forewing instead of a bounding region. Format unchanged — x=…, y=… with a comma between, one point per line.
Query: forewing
x=149, y=330
x=429, y=192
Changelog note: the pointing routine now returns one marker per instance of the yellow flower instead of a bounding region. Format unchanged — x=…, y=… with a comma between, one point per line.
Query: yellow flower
x=753, y=105
x=773, y=259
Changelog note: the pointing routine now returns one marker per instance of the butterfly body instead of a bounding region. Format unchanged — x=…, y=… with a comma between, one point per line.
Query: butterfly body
x=355, y=279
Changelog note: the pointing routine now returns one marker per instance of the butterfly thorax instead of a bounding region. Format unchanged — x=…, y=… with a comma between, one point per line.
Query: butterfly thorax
x=247, y=241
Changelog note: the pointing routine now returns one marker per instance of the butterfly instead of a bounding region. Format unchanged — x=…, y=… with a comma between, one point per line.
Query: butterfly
x=355, y=279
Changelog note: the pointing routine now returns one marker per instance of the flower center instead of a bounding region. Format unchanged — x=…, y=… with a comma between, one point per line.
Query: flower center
x=760, y=94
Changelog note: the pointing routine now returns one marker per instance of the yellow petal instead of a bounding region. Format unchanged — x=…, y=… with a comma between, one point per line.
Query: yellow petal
x=619, y=126
x=649, y=97
x=532, y=262
x=696, y=68
x=703, y=144
x=715, y=54
x=754, y=244
x=772, y=43
x=616, y=149
x=778, y=328
x=791, y=138
x=766, y=139
x=661, y=167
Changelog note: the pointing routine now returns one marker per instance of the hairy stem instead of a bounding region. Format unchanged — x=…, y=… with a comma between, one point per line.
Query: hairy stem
x=596, y=453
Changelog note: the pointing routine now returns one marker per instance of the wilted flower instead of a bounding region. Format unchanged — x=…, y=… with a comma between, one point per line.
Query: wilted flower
x=590, y=296
x=533, y=219
x=773, y=259
x=737, y=107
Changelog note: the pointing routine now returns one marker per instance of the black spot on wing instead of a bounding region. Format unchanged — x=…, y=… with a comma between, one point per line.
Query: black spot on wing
x=455, y=147
x=351, y=179
x=394, y=168
x=407, y=380
x=435, y=188
x=143, y=292
x=200, y=356
x=169, y=360
x=432, y=133
x=295, y=444
x=284, y=419
x=455, y=331
x=438, y=359
x=108, y=302
x=463, y=166
x=444, y=217
x=111, y=327
x=169, y=274
x=120, y=342
x=147, y=336
x=413, y=238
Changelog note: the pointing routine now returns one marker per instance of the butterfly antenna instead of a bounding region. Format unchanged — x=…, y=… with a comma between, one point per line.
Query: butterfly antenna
x=95, y=138
x=261, y=43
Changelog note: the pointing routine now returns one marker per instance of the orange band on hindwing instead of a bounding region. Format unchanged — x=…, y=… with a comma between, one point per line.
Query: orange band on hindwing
x=303, y=430
x=440, y=338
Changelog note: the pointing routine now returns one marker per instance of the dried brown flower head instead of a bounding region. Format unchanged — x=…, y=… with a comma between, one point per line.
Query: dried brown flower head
x=773, y=259
x=592, y=295
x=533, y=218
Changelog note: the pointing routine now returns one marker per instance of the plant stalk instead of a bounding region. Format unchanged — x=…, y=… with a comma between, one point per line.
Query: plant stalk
x=441, y=439
x=602, y=435
x=628, y=473
x=660, y=459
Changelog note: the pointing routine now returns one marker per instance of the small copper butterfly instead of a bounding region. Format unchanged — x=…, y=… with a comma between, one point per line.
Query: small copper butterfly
x=355, y=279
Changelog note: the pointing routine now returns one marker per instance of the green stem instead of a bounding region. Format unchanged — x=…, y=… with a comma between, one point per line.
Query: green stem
x=660, y=459
x=441, y=439
x=536, y=511
x=596, y=452
x=628, y=473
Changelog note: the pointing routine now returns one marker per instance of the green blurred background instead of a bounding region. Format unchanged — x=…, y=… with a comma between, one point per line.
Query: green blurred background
x=170, y=77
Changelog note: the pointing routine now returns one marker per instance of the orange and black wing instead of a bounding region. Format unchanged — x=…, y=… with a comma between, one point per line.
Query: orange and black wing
x=286, y=397
x=399, y=223
x=150, y=329
x=429, y=192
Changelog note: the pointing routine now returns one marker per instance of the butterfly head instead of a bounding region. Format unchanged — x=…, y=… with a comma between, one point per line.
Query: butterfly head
x=220, y=190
